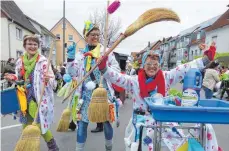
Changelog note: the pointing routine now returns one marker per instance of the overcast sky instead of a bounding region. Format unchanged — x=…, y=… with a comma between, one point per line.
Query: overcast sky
x=49, y=12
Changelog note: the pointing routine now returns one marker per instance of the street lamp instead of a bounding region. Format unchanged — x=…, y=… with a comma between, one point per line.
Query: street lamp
x=63, y=31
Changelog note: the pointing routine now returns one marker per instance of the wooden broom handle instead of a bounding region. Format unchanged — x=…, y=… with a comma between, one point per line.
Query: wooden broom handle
x=145, y=19
x=43, y=84
x=106, y=28
x=122, y=37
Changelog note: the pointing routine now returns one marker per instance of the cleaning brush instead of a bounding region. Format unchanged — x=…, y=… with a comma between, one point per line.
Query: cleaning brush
x=113, y=7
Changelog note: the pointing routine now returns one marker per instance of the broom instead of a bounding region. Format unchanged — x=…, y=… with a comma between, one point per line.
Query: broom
x=30, y=137
x=63, y=124
x=98, y=110
x=150, y=16
x=65, y=117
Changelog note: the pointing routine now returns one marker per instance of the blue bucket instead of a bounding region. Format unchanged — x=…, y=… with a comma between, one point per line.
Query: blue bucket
x=9, y=101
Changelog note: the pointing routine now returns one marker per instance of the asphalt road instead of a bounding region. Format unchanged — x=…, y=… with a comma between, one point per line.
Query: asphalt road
x=10, y=132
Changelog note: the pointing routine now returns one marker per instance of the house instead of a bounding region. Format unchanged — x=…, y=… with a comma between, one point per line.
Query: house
x=156, y=45
x=14, y=26
x=170, y=56
x=185, y=45
x=151, y=46
x=199, y=36
x=182, y=45
x=46, y=38
x=71, y=35
x=215, y=29
x=121, y=59
x=165, y=47
x=219, y=33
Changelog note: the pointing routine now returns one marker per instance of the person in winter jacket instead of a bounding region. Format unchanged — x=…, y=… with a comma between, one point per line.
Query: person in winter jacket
x=211, y=77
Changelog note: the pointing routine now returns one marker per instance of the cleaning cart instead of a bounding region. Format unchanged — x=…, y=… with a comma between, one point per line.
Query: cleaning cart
x=208, y=112
x=188, y=109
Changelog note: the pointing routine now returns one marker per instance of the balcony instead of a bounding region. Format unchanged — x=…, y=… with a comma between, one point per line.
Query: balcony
x=185, y=44
x=198, y=41
x=173, y=59
x=45, y=42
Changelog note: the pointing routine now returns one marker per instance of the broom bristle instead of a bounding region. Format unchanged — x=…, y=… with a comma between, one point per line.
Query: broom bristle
x=63, y=124
x=152, y=16
x=30, y=139
x=98, y=110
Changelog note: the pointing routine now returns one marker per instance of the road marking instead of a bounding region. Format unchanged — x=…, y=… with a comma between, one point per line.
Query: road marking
x=11, y=126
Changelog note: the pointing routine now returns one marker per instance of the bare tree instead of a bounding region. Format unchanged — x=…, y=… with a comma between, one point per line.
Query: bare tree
x=98, y=17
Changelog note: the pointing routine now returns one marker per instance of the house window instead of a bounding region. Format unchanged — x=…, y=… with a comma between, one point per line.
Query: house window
x=195, y=52
x=19, y=53
x=198, y=35
x=18, y=33
x=173, y=44
x=200, y=52
x=186, y=41
x=63, y=26
x=46, y=40
x=70, y=37
x=58, y=36
x=214, y=38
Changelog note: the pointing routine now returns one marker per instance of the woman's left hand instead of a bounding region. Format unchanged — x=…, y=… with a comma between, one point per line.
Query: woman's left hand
x=103, y=63
x=47, y=78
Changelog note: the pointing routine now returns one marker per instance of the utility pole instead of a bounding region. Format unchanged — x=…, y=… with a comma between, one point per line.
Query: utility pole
x=63, y=31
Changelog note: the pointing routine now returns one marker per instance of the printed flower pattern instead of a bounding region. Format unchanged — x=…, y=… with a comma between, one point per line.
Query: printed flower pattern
x=46, y=112
x=130, y=83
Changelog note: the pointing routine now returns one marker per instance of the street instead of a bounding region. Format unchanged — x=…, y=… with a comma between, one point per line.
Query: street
x=11, y=130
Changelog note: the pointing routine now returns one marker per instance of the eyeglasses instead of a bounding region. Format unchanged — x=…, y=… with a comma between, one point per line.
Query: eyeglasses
x=31, y=44
x=151, y=64
x=154, y=56
x=94, y=34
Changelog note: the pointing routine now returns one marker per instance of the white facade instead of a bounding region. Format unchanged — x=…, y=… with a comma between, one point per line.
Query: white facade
x=16, y=39
x=45, y=42
x=221, y=37
x=194, y=51
x=4, y=39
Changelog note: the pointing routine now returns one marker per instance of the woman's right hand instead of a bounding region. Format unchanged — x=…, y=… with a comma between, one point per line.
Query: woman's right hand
x=10, y=77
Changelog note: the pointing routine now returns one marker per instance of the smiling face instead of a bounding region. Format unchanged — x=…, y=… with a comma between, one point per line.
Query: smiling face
x=31, y=45
x=93, y=37
x=151, y=66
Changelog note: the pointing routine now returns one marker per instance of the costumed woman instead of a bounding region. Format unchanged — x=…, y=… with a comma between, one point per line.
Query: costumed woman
x=77, y=66
x=150, y=81
x=31, y=68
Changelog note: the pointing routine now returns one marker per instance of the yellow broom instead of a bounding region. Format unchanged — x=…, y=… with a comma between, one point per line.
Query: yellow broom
x=30, y=137
x=150, y=16
x=98, y=110
x=63, y=124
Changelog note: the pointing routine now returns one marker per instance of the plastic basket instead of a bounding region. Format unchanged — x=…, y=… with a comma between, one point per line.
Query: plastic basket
x=212, y=111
